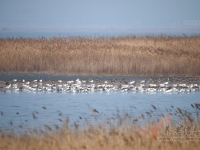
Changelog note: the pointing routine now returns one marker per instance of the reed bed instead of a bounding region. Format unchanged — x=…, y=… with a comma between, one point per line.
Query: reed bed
x=129, y=56
x=123, y=133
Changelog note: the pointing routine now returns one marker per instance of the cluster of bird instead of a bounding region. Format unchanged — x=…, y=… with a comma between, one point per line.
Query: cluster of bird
x=90, y=85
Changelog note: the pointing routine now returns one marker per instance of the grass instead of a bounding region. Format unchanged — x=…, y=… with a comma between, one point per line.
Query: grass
x=129, y=56
x=122, y=133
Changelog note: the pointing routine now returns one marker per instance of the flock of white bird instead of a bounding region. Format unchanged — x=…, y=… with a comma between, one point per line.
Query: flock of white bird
x=74, y=86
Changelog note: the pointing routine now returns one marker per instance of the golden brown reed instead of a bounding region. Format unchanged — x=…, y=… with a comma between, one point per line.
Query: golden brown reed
x=91, y=139
x=152, y=56
x=108, y=136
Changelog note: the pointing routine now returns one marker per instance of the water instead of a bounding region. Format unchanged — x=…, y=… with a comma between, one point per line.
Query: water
x=54, y=107
x=28, y=34
x=46, y=77
x=81, y=105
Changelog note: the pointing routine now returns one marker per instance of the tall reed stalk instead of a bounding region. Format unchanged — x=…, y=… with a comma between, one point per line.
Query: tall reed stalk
x=152, y=56
x=117, y=133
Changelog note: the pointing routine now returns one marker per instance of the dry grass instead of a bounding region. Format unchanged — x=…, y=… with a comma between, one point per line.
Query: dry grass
x=152, y=56
x=123, y=134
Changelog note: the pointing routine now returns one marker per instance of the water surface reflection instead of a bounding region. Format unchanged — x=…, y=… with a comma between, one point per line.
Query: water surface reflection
x=53, y=108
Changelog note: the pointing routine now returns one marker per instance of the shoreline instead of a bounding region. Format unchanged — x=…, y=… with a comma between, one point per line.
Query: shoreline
x=50, y=76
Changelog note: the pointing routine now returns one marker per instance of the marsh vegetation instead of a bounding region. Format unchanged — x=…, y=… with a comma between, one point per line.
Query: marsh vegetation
x=130, y=56
x=163, y=131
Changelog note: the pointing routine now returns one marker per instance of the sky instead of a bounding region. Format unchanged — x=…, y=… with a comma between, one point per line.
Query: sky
x=99, y=13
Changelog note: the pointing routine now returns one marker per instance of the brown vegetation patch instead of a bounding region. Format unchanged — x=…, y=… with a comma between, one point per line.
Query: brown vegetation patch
x=119, y=133
x=152, y=56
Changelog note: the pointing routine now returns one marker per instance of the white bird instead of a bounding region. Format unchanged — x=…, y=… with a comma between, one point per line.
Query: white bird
x=166, y=83
x=143, y=81
x=60, y=81
x=91, y=81
x=35, y=85
x=15, y=86
x=14, y=80
x=131, y=82
x=78, y=81
x=70, y=82
x=168, y=90
x=8, y=86
x=162, y=85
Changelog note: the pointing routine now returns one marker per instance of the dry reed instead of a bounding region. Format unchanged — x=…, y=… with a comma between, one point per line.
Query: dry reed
x=124, y=134
x=147, y=56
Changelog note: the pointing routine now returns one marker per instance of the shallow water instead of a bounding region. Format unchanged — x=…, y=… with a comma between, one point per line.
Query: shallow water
x=46, y=77
x=81, y=105
x=7, y=34
x=35, y=109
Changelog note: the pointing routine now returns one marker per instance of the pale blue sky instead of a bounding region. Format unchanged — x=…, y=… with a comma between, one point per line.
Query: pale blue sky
x=100, y=13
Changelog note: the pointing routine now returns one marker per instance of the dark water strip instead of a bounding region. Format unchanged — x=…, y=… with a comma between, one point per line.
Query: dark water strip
x=46, y=77
x=53, y=77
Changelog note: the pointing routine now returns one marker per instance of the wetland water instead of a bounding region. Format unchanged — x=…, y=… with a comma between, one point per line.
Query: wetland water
x=37, y=108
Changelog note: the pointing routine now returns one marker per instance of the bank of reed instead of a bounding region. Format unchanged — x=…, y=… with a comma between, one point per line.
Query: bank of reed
x=116, y=133
x=152, y=56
